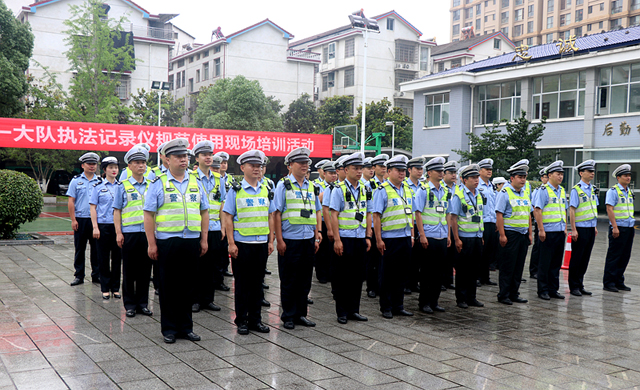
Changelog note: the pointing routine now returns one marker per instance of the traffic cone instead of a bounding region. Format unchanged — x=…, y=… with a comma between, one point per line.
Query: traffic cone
x=567, y=253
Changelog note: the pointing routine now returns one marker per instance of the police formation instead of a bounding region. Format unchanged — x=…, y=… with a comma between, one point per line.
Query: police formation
x=397, y=225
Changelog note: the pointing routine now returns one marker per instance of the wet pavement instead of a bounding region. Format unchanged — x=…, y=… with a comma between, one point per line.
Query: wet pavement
x=53, y=336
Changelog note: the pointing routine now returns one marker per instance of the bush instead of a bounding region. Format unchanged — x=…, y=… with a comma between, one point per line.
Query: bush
x=20, y=202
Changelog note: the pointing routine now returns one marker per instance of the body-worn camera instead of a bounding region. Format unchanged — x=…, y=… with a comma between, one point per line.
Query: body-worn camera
x=359, y=217
x=304, y=213
x=475, y=219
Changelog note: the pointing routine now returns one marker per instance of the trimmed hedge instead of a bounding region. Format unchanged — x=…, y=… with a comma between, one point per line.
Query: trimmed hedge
x=20, y=202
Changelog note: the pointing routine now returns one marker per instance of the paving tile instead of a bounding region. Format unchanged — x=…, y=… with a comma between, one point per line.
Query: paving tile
x=362, y=373
x=342, y=383
x=419, y=378
x=37, y=380
x=24, y=361
x=145, y=384
x=125, y=370
x=471, y=381
x=286, y=380
x=233, y=379
x=179, y=374
x=201, y=360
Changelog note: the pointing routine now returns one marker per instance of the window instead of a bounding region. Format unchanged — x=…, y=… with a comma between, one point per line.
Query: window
x=216, y=49
x=616, y=7
x=550, y=22
x=565, y=19
x=579, y=15
x=505, y=3
x=579, y=2
x=468, y=13
x=590, y=9
x=504, y=17
x=424, y=58
x=190, y=85
x=181, y=63
x=123, y=89
x=601, y=6
x=564, y=4
x=325, y=54
x=349, y=79
x=325, y=82
x=191, y=59
x=436, y=110
x=559, y=96
x=177, y=82
x=519, y=2
x=588, y=27
x=615, y=23
x=402, y=76
x=197, y=75
x=406, y=52
x=505, y=31
x=529, y=27
x=456, y=15
x=456, y=63
x=441, y=66
x=601, y=25
x=478, y=24
x=518, y=14
x=349, y=47
x=529, y=41
x=184, y=78
x=578, y=31
x=332, y=50
x=390, y=24
x=634, y=4
x=565, y=35
x=468, y=24
x=205, y=71
x=456, y=29
x=517, y=31
x=498, y=101
x=406, y=106
x=486, y=18
x=216, y=67
x=634, y=21
x=171, y=66
x=619, y=90
x=496, y=43
x=198, y=57
x=171, y=82
x=530, y=11
x=478, y=9
x=456, y=3
x=206, y=53
x=549, y=38
x=331, y=80
x=550, y=5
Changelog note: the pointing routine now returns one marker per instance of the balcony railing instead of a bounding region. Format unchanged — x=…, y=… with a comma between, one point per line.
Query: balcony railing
x=149, y=32
x=303, y=55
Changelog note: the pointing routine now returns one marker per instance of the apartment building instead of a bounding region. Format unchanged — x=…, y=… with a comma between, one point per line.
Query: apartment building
x=460, y=53
x=394, y=55
x=534, y=22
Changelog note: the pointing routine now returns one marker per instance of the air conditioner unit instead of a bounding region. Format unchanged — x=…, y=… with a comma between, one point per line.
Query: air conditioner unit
x=331, y=84
x=398, y=94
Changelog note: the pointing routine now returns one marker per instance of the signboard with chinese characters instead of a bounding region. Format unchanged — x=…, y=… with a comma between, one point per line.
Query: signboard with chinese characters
x=41, y=134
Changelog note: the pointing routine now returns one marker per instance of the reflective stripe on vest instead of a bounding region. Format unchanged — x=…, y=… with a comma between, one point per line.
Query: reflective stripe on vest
x=295, y=203
x=179, y=211
x=527, y=189
x=347, y=217
x=394, y=216
x=429, y=214
x=253, y=213
x=520, y=210
x=214, y=205
x=555, y=209
x=465, y=224
x=624, y=208
x=133, y=213
x=587, y=208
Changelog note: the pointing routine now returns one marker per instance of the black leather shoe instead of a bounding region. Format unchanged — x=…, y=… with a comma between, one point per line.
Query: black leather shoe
x=243, y=329
x=475, y=303
x=227, y=273
x=387, y=314
x=463, y=305
x=265, y=286
x=265, y=303
x=195, y=307
x=371, y=294
x=556, y=295
x=267, y=272
x=289, y=325
x=623, y=287
x=478, y=284
x=544, y=296
x=585, y=292
x=76, y=281
x=426, y=309
x=95, y=280
x=322, y=281
x=610, y=289
x=145, y=311
x=403, y=313
x=533, y=276
x=304, y=322
x=505, y=301
x=309, y=301
x=131, y=313
x=156, y=291
x=519, y=300
x=342, y=320
x=222, y=287
x=192, y=337
x=576, y=293
x=212, y=306
x=259, y=327
x=489, y=283
x=358, y=317
x=523, y=280
x=170, y=338
x=407, y=291
x=443, y=288
x=450, y=286
x=438, y=308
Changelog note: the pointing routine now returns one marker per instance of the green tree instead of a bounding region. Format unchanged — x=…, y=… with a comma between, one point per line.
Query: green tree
x=144, y=109
x=98, y=63
x=378, y=113
x=45, y=99
x=336, y=111
x=236, y=104
x=490, y=144
x=301, y=116
x=16, y=46
x=21, y=202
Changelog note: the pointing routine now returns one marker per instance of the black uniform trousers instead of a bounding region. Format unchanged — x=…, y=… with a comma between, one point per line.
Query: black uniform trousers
x=512, y=258
x=80, y=238
x=450, y=263
x=220, y=260
x=347, y=275
x=580, y=255
x=468, y=268
x=373, y=266
x=205, y=273
x=296, y=270
x=323, y=257
x=110, y=257
x=136, y=271
x=432, y=263
x=618, y=255
x=551, y=255
x=412, y=276
x=490, y=237
x=535, y=252
x=177, y=258
x=392, y=268
x=248, y=272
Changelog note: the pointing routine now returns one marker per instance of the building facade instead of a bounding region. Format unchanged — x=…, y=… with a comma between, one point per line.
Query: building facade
x=588, y=89
x=460, y=53
x=534, y=22
x=152, y=40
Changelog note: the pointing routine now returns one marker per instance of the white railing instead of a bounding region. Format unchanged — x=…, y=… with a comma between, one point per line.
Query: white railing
x=303, y=54
x=149, y=32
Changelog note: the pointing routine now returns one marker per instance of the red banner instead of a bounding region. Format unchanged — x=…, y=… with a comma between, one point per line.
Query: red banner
x=41, y=134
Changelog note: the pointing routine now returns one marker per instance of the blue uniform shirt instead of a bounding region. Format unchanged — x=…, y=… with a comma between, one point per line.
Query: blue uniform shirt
x=230, y=208
x=455, y=207
x=504, y=207
x=120, y=202
x=102, y=196
x=574, y=201
x=208, y=183
x=612, y=199
x=414, y=187
x=289, y=231
x=337, y=204
x=152, y=174
x=489, y=210
x=155, y=199
x=542, y=199
x=80, y=189
x=380, y=204
x=438, y=231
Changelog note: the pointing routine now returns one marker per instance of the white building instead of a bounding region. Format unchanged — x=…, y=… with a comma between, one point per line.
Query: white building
x=395, y=55
x=152, y=39
x=259, y=52
x=466, y=51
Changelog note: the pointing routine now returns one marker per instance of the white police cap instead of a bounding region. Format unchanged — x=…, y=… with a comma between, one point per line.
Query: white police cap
x=588, y=165
x=89, y=158
x=400, y=161
x=367, y=162
x=203, y=147
x=320, y=164
x=251, y=157
x=624, y=169
x=176, y=146
x=499, y=180
x=379, y=159
x=469, y=170
x=330, y=166
x=137, y=153
x=416, y=162
x=354, y=159
x=161, y=146
x=108, y=161
x=216, y=161
x=435, y=164
x=524, y=161
x=519, y=168
x=556, y=166
x=223, y=155
x=487, y=163
x=451, y=166
x=340, y=160
x=543, y=172
x=300, y=155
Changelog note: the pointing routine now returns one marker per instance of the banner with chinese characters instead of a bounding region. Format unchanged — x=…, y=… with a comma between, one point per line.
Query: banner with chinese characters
x=41, y=134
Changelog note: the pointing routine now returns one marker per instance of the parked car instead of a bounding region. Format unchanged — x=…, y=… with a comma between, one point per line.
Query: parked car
x=59, y=183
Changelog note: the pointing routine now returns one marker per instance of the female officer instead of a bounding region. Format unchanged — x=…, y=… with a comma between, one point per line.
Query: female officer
x=101, y=202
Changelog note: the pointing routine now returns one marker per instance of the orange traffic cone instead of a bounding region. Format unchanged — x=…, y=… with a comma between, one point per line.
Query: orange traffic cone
x=567, y=252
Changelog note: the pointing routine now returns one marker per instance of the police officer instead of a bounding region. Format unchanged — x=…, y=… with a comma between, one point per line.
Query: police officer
x=78, y=193
x=499, y=182
x=412, y=275
x=148, y=172
x=467, y=209
x=431, y=208
x=319, y=181
x=373, y=256
x=176, y=209
x=128, y=219
x=550, y=212
x=379, y=170
x=207, y=275
x=393, y=224
x=164, y=164
x=513, y=219
x=367, y=172
x=298, y=230
x=227, y=180
x=325, y=252
x=619, y=203
x=248, y=218
x=350, y=203
x=449, y=181
x=490, y=234
x=535, y=251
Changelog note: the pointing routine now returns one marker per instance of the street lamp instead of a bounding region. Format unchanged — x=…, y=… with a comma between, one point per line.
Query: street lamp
x=160, y=86
x=393, y=136
x=360, y=22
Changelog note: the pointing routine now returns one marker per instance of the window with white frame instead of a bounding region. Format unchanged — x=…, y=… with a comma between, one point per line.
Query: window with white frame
x=529, y=27
x=456, y=15
x=406, y=106
x=455, y=30
x=530, y=41
x=441, y=66
x=505, y=31
x=331, y=80
x=565, y=19
x=615, y=23
x=349, y=47
x=559, y=96
x=216, y=67
x=550, y=22
x=468, y=13
x=424, y=58
x=402, y=76
x=517, y=30
x=123, y=88
x=634, y=21
x=518, y=14
x=332, y=50
x=349, y=79
x=205, y=71
x=619, y=90
x=390, y=24
x=504, y=17
x=549, y=38
x=406, y=52
x=634, y=4
x=456, y=3
x=498, y=101
x=550, y=5
x=197, y=75
x=456, y=63
x=530, y=11
x=436, y=110
x=496, y=43
x=579, y=15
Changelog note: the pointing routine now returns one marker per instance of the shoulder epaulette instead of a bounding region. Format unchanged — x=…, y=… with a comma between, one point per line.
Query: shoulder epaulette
x=97, y=184
x=77, y=176
x=385, y=184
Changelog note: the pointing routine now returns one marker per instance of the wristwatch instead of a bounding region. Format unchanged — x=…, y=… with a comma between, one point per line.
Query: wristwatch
x=317, y=240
